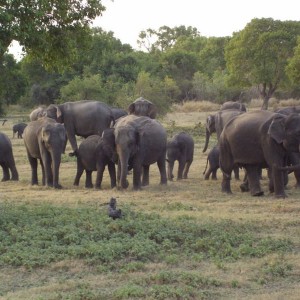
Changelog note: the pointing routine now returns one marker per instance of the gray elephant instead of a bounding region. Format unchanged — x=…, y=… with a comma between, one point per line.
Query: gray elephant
x=233, y=105
x=213, y=157
x=37, y=113
x=259, y=139
x=140, y=142
x=94, y=154
x=82, y=118
x=216, y=122
x=142, y=107
x=118, y=112
x=7, y=160
x=45, y=140
x=180, y=148
x=19, y=129
x=289, y=110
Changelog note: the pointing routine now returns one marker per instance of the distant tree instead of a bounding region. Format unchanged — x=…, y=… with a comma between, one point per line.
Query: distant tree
x=258, y=55
x=293, y=68
x=165, y=37
x=12, y=81
x=50, y=30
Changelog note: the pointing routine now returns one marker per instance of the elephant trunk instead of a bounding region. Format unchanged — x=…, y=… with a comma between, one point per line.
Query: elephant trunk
x=56, y=160
x=123, y=161
x=287, y=168
x=207, y=136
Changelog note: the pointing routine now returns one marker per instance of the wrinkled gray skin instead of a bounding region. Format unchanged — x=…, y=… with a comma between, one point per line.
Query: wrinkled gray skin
x=45, y=141
x=118, y=112
x=289, y=110
x=94, y=154
x=19, y=129
x=215, y=123
x=140, y=142
x=81, y=118
x=142, y=107
x=180, y=148
x=7, y=160
x=259, y=139
x=233, y=105
x=213, y=161
x=37, y=113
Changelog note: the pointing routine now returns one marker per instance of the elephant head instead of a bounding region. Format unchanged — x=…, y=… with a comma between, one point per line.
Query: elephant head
x=142, y=107
x=210, y=128
x=54, y=112
x=108, y=144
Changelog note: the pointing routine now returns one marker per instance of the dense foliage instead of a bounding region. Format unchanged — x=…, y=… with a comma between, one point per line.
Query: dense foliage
x=178, y=64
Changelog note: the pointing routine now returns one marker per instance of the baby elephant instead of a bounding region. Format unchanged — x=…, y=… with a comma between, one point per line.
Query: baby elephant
x=19, y=128
x=181, y=148
x=7, y=161
x=213, y=160
x=94, y=154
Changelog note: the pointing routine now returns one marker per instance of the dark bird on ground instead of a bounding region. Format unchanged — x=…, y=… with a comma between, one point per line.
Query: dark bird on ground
x=113, y=212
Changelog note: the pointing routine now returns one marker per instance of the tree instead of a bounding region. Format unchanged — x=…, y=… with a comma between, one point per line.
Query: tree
x=258, y=55
x=293, y=68
x=46, y=29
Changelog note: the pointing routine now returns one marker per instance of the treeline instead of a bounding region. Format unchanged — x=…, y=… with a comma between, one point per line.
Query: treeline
x=173, y=65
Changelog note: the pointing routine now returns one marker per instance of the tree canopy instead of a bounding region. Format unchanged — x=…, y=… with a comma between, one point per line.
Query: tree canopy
x=50, y=30
x=259, y=54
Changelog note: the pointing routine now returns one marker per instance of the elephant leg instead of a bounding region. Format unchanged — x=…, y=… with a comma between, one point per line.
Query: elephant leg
x=161, y=163
x=214, y=173
x=88, y=179
x=137, y=172
x=43, y=172
x=236, y=173
x=253, y=179
x=245, y=185
x=6, y=175
x=112, y=174
x=145, y=180
x=181, y=164
x=34, y=164
x=79, y=172
x=278, y=180
x=186, y=169
x=271, y=182
x=100, y=171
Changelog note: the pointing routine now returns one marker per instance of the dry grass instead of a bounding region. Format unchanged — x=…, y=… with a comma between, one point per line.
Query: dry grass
x=201, y=200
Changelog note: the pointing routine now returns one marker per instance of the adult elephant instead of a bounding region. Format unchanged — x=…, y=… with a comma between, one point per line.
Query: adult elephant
x=7, y=161
x=118, y=112
x=180, y=148
x=82, y=118
x=255, y=140
x=45, y=140
x=233, y=105
x=142, y=107
x=140, y=142
x=216, y=122
x=19, y=129
x=94, y=154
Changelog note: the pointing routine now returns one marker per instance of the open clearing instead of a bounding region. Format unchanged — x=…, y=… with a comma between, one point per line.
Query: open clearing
x=261, y=262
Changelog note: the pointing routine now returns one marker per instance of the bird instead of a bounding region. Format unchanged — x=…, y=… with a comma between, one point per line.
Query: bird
x=113, y=212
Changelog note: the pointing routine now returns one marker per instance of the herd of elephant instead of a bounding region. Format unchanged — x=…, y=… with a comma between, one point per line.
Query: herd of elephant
x=134, y=139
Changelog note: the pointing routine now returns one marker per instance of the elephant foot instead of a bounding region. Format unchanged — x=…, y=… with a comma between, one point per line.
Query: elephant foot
x=58, y=186
x=281, y=196
x=214, y=178
x=206, y=178
x=89, y=186
x=257, y=194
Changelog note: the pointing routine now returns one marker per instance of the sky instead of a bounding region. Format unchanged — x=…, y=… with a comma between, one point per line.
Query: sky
x=127, y=18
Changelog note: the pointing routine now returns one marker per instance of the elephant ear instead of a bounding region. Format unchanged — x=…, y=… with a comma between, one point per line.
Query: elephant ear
x=131, y=108
x=277, y=129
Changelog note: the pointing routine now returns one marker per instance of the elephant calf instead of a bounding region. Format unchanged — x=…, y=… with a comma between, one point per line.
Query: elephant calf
x=7, y=160
x=94, y=154
x=180, y=148
x=213, y=160
x=19, y=129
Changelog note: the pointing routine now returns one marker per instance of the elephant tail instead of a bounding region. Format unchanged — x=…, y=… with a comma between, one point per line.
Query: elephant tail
x=287, y=168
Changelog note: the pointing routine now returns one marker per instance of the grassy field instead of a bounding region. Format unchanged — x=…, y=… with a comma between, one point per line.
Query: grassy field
x=186, y=240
